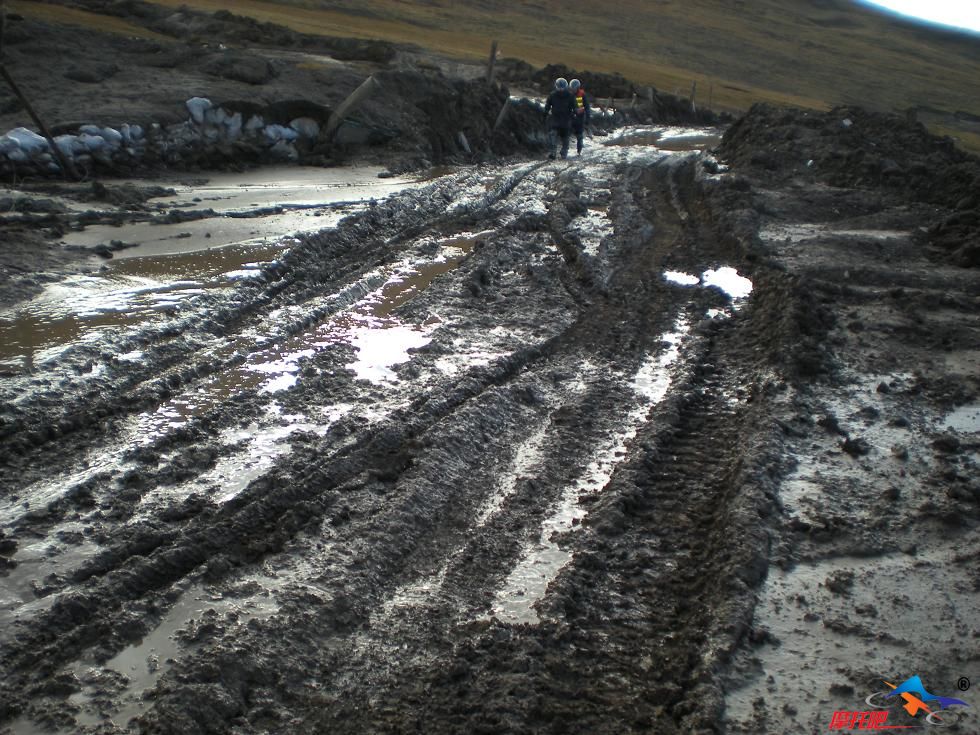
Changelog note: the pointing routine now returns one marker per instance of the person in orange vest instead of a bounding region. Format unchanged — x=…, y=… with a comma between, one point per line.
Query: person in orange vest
x=582, y=112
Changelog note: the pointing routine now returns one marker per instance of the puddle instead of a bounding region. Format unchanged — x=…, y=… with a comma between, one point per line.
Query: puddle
x=35, y=563
x=965, y=419
x=797, y=233
x=140, y=666
x=689, y=140
x=39, y=495
x=529, y=580
x=525, y=464
x=681, y=279
x=249, y=452
x=412, y=595
x=175, y=262
x=674, y=140
x=862, y=411
x=727, y=279
x=268, y=203
x=125, y=293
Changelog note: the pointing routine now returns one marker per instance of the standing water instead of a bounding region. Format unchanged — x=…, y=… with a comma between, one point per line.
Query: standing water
x=251, y=221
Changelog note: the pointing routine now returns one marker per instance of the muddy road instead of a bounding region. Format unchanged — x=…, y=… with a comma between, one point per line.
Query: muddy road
x=535, y=447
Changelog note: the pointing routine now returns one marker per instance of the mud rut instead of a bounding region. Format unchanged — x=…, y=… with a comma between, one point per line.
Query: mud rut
x=548, y=518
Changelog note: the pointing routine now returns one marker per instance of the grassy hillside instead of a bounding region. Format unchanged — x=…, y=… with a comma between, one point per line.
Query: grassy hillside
x=813, y=53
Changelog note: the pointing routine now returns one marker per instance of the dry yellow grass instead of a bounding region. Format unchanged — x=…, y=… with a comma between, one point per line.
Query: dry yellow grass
x=474, y=45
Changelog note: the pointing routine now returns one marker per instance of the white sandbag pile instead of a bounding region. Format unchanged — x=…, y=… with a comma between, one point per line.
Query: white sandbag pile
x=209, y=130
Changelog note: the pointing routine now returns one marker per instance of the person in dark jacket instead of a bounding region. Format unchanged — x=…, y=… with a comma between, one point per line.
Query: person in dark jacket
x=561, y=105
x=582, y=112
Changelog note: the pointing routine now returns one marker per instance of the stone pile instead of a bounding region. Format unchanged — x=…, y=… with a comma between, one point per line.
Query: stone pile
x=210, y=133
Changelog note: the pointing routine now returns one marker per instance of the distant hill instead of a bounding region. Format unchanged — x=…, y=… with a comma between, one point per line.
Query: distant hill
x=811, y=53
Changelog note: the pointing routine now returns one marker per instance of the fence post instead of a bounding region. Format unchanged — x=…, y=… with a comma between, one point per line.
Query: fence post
x=492, y=63
x=68, y=169
x=502, y=115
x=694, y=92
x=367, y=88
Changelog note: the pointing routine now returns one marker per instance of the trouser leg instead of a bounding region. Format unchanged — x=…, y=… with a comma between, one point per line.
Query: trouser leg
x=580, y=138
x=552, y=141
x=564, y=142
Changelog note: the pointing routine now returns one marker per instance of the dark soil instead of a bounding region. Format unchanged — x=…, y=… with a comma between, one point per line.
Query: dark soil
x=593, y=501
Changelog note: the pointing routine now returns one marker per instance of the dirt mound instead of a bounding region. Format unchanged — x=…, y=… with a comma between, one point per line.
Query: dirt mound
x=851, y=147
x=241, y=66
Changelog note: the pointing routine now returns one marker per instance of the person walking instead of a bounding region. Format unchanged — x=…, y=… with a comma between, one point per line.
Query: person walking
x=561, y=106
x=582, y=112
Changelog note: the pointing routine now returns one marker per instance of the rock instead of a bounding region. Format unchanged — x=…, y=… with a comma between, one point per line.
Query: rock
x=840, y=582
x=947, y=444
x=279, y=132
x=239, y=66
x=112, y=136
x=67, y=144
x=856, y=447
x=306, y=127
x=92, y=75
x=197, y=106
x=233, y=126
x=215, y=116
x=900, y=451
x=831, y=424
x=27, y=140
x=92, y=143
x=284, y=151
x=254, y=124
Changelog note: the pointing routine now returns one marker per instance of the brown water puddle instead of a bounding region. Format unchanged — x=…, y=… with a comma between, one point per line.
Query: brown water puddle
x=675, y=141
x=172, y=262
x=125, y=293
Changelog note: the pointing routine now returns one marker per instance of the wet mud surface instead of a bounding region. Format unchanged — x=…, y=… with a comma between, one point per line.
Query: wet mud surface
x=645, y=441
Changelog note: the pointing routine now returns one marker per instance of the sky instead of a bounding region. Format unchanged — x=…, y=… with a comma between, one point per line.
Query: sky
x=961, y=13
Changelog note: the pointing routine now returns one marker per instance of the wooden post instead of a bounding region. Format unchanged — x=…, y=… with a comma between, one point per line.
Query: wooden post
x=633, y=101
x=492, y=63
x=694, y=92
x=502, y=115
x=368, y=87
x=67, y=166
x=68, y=169
x=650, y=94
